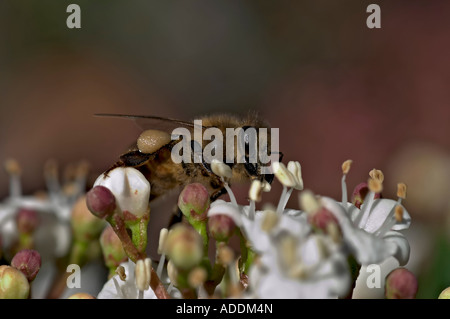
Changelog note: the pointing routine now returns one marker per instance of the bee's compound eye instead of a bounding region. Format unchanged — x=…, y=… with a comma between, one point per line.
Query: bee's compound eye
x=152, y=140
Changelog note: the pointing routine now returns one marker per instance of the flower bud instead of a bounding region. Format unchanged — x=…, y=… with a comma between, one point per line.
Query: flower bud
x=401, y=284
x=221, y=227
x=100, y=201
x=85, y=225
x=27, y=220
x=81, y=295
x=445, y=294
x=322, y=218
x=194, y=201
x=113, y=252
x=28, y=261
x=184, y=246
x=13, y=284
x=359, y=194
x=130, y=188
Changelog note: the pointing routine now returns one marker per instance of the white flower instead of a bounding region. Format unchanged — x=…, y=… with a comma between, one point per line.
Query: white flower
x=373, y=241
x=130, y=188
x=318, y=276
x=116, y=288
x=312, y=274
x=370, y=232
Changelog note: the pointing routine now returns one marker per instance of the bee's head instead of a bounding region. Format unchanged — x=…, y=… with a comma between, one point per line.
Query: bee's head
x=256, y=152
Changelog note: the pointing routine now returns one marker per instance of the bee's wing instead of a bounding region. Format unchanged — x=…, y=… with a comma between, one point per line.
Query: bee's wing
x=155, y=122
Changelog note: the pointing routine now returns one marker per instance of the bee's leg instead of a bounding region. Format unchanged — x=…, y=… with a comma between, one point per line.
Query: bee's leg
x=115, y=165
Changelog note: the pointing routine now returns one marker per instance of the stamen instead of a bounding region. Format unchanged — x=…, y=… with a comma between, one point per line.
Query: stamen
x=221, y=169
x=118, y=290
x=121, y=272
x=398, y=213
x=162, y=240
x=288, y=251
x=401, y=192
x=266, y=187
x=197, y=277
x=283, y=174
x=375, y=185
x=230, y=193
x=143, y=274
x=296, y=170
x=345, y=169
x=13, y=169
x=376, y=174
x=270, y=220
x=172, y=272
x=282, y=200
x=51, y=178
x=225, y=254
x=363, y=215
x=255, y=192
x=308, y=202
x=346, y=166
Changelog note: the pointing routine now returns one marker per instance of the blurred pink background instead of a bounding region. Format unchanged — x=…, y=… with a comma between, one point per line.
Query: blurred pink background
x=335, y=88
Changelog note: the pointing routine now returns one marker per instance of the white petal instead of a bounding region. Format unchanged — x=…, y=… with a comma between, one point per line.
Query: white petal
x=380, y=210
x=400, y=248
x=130, y=188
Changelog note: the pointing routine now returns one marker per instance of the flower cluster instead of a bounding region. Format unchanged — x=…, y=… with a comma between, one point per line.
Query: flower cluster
x=283, y=253
x=221, y=249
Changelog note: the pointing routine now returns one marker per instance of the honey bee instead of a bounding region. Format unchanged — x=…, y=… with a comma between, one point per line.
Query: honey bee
x=156, y=163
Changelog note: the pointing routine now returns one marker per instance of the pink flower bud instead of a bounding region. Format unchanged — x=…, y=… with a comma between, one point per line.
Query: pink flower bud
x=359, y=194
x=112, y=248
x=101, y=201
x=27, y=220
x=401, y=284
x=28, y=261
x=13, y=284
x=221, y=227
x=194, y=201
x=322, y=218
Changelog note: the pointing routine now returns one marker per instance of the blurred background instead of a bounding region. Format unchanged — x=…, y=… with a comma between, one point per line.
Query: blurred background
x=335, y=88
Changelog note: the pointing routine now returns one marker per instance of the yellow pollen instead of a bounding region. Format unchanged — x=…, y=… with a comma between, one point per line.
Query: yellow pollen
x=398, y=213
x=375, y=185
x=270, y=220
x=308, y=202
x=401, y=190
x=346, y=166
x=288, y=248
x=12, y=167
x=225, y=254
x=377, y=175
x=197, y=277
